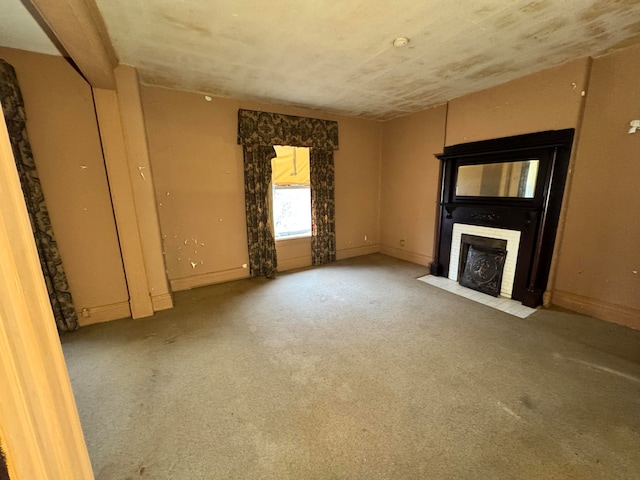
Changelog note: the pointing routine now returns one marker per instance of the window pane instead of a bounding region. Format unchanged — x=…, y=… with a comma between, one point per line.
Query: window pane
x=292, y=211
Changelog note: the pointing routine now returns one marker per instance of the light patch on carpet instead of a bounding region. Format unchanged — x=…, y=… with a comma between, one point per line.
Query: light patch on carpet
x=509, y=411
x=599, y=367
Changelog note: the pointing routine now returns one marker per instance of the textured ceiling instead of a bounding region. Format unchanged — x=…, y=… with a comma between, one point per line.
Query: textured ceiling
x=338, y=56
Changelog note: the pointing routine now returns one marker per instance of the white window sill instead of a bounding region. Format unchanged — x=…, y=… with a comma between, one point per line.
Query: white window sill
x=293, y=238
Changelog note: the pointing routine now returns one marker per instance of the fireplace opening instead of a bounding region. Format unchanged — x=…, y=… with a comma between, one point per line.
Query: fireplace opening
x=481, y=263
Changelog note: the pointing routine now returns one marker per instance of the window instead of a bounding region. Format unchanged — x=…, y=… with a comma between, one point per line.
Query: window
x=291, y=192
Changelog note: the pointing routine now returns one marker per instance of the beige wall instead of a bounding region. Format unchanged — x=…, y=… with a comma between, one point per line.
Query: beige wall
x=62, y=128
x=547, y=100
x=599, y=264
x=357, y=166
x=410, y=184
x=197, y=168
x=293, y=253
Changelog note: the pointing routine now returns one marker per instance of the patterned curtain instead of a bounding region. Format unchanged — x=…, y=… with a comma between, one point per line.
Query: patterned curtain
x=323, y=236
x=257, y=179
x=55, y=278
x=268, y=129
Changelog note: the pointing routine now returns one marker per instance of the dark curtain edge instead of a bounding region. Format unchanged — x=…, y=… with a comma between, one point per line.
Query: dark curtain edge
x=323, y=238
x=261, y=246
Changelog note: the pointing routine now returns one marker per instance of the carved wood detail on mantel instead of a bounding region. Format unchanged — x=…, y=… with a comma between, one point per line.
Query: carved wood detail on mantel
x=485, y=216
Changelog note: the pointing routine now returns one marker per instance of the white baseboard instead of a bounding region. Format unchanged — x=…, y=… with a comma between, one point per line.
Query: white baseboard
x=407, y=256
x=357, y=251
x=194, y=281
x=609, y=312
x=115, y=311
x=162, y=302
x=103, y=313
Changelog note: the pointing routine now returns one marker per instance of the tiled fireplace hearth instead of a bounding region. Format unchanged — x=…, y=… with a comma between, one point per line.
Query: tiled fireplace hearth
x=503, y=301
x=509, y=190
x=507, y=305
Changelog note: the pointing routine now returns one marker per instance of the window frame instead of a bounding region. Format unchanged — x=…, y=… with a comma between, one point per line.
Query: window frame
x=305, y=234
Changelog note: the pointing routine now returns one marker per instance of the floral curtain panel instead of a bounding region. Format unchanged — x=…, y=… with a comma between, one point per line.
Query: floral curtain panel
x=257, y=179
x=323, y=229
x=55, y=278
x=263, y=129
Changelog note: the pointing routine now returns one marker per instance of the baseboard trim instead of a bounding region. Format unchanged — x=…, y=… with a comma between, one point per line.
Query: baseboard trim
x=163, y=301
x=407, y=256
x=610, y=312
x=357, y=251
x=103, y=313
x=195, y=281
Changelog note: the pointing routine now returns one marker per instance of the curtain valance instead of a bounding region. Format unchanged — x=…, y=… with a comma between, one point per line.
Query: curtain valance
x=268, y=129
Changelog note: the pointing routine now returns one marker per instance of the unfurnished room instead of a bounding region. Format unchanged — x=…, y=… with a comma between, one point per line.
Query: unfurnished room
x=319, y=240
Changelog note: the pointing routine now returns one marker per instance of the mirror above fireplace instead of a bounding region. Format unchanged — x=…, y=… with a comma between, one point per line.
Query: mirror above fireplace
x=515, y=179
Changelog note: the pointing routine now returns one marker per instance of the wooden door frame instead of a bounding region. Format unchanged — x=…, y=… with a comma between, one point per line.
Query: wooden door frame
x=40, y=429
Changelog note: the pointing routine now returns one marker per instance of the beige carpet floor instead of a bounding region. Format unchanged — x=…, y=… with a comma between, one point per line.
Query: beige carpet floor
x=355, y=370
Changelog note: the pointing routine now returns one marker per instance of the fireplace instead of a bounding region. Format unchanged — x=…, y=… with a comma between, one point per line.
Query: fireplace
x=481, y=263
x=464, y=234
x=509, y=190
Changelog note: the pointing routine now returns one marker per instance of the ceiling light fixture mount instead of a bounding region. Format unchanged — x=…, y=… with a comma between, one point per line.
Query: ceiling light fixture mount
x=400, y=42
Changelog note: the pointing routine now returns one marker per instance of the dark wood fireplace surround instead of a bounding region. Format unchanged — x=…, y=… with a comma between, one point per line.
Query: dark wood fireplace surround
x=536, y=218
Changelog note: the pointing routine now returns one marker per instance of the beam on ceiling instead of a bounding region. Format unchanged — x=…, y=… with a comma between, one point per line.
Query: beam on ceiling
x=79, y=27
